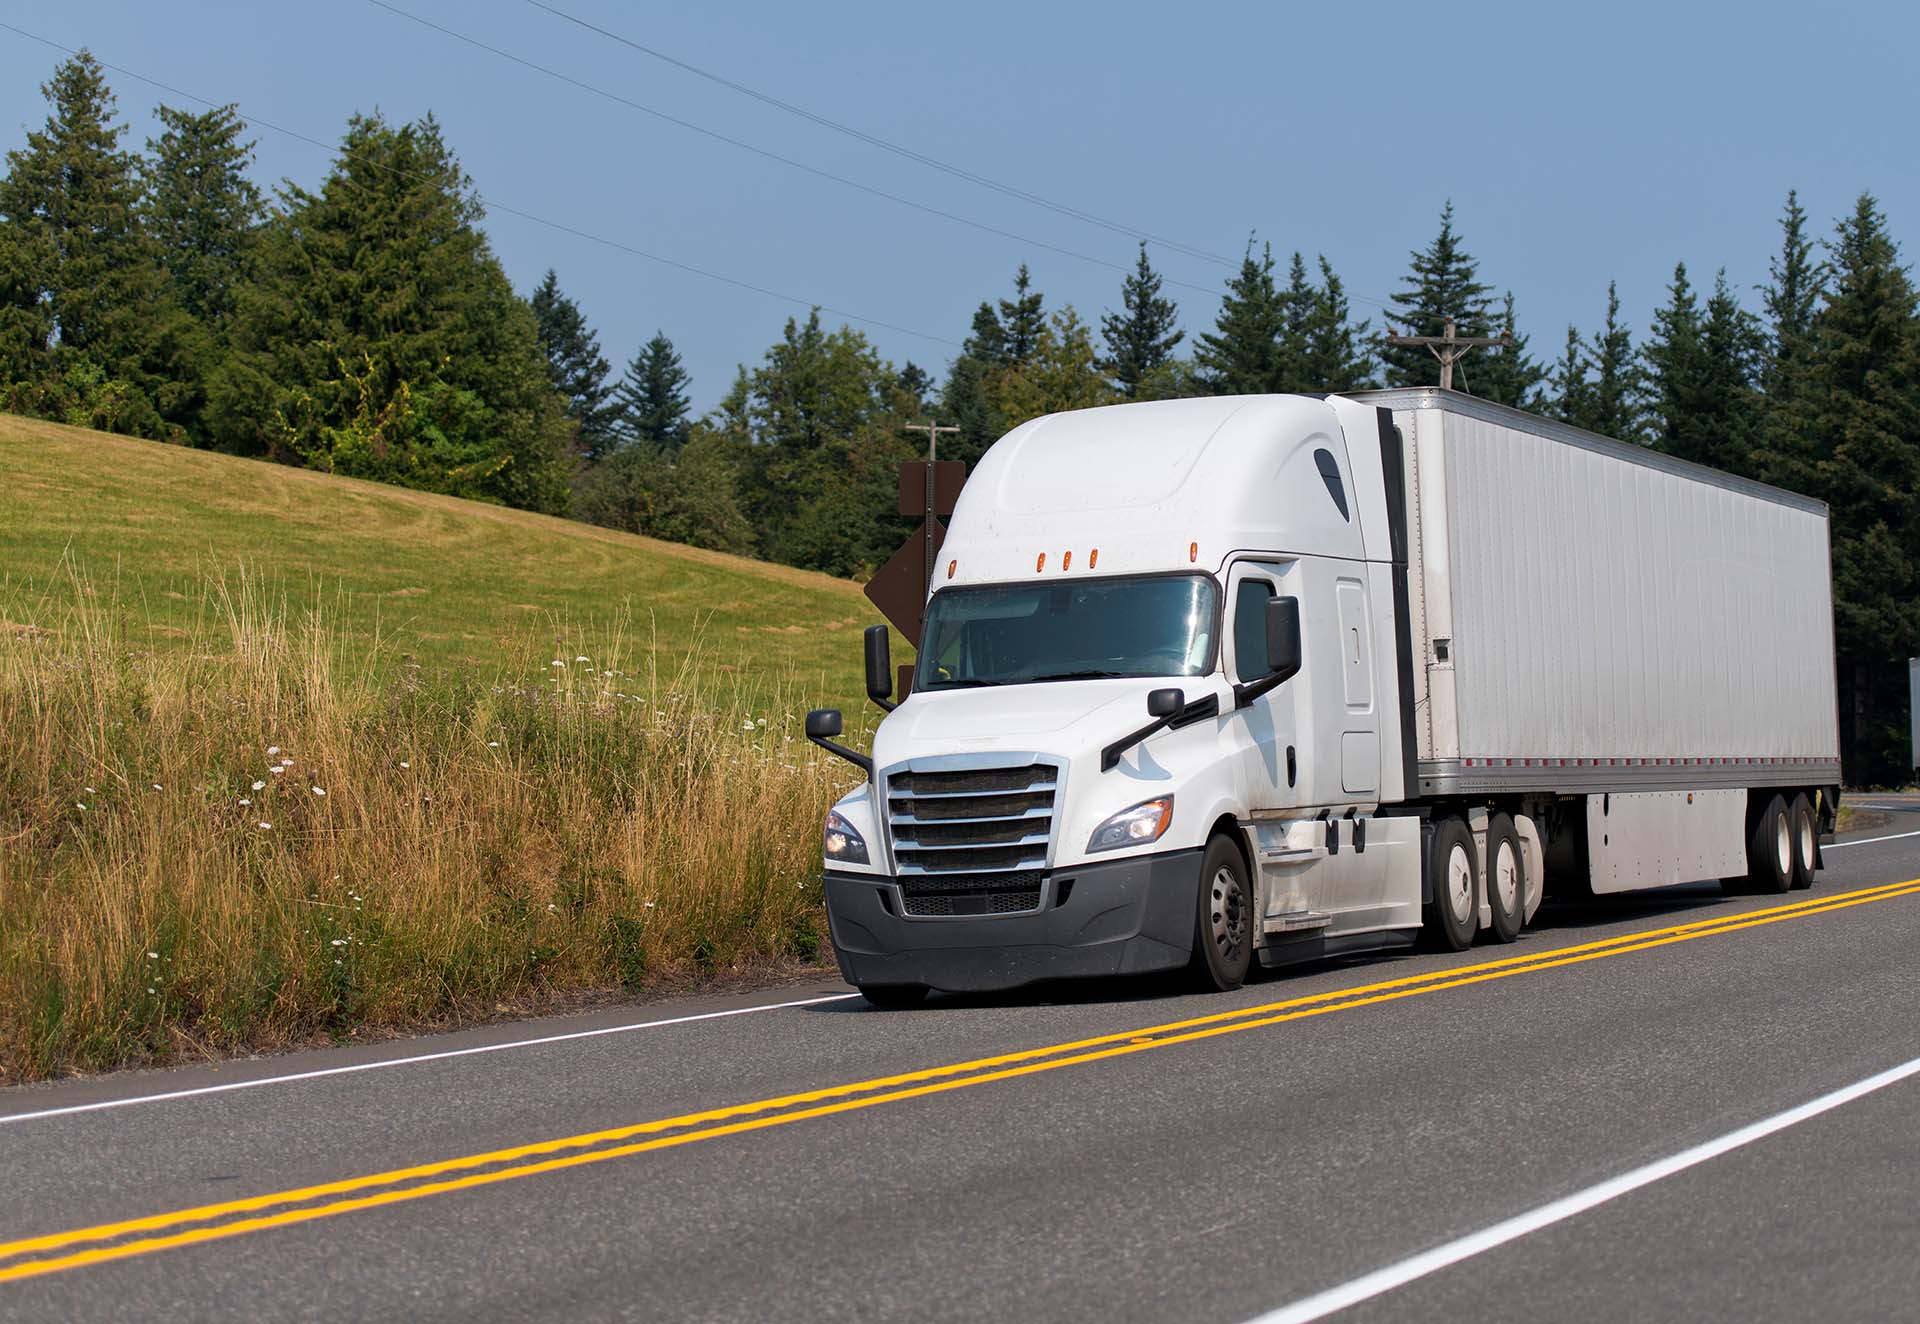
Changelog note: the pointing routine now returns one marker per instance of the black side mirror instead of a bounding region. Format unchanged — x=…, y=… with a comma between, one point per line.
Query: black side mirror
x=823, y=724
x=1283, y=637
x=1165, y=703
x=879, y=667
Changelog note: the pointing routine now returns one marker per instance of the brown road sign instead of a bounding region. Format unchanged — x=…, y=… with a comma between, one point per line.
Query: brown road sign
x=948, y=475
x=899, y=588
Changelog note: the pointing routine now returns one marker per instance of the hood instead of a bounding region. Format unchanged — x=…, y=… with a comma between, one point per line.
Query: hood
x=1057, y=717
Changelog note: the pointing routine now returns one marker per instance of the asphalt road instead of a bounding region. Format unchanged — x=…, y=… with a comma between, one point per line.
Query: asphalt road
x=980, y=1158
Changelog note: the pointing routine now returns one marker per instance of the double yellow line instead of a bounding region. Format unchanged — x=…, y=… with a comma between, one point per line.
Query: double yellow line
x=58, y=1251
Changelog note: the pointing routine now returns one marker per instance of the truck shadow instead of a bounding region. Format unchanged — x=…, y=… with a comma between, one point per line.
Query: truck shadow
x=1557, y=916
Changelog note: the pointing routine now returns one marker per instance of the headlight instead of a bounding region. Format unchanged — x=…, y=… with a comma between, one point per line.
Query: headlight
x=1137, y=826
x=840, y=843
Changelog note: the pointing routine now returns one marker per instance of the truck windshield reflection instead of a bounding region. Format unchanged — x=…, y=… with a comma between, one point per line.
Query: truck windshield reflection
x=1018, y=634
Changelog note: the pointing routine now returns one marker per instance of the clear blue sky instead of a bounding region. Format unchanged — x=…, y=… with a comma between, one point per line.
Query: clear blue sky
x=1578, y=143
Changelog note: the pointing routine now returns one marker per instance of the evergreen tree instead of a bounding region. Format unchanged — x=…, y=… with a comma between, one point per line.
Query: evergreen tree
x=1730, y=407
x=576, y=366
x=1290, y=368
x=384, y=340
x=202, y=210
x=1443, y=282
x=1612, y=404
x=1334, y=353
x=1506, y=375
x=963, y=400
x=1674, y=357
x=690, y=497
x=1064, y=372
x=1241, y=355
x=651, y=399
x=1571, y=393
x=1022, y=318
x=1140, y=338
x=915, y=382
x=1790, y=297
x=1860, y=419
x=74, y=198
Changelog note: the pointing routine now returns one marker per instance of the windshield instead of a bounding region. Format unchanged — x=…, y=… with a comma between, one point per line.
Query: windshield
x=1161, y=625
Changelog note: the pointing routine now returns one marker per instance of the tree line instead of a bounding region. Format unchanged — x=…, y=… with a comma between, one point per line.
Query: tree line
x=366, y=327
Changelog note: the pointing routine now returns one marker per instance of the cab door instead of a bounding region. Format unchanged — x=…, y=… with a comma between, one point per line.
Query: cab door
x=1266, y=772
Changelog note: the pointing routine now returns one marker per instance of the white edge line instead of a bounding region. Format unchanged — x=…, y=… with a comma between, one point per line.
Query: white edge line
x=1381, y=1281
x=1868, y=841
x=226, y=1086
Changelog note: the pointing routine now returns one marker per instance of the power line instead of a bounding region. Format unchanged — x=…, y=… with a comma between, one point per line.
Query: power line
x=934, y=163
x=493, y=204
x=745, y=146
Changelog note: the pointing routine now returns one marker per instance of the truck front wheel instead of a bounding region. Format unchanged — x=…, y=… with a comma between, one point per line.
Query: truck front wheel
x=1223, y=924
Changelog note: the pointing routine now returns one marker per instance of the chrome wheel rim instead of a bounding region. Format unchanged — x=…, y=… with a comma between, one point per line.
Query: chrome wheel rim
x=1806, y=843
x=1228, y=909
x=1506, y=878
x=1460, y=883
x=1783, y=846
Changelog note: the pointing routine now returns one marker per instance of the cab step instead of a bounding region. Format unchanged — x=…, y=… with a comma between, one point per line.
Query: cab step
x=1297, y=921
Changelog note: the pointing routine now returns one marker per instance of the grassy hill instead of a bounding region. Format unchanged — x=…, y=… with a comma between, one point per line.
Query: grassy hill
x=283, y=754
x=453, y=585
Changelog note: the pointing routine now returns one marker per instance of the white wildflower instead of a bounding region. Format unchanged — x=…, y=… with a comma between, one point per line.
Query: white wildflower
x=156, y=786
x=78, y=805
x=276, y=771
x=266, y=827
x=245, y=801
x=153, y=956
x=579, y=659
x=272, y=750
x=405, y=764
x=318, y=791
x=339, y=942
x=149, y=988
x=556, y=663
x=493, y=744
x=649, y=905
x=259, y=786
x=747, y=725
x=91, y=791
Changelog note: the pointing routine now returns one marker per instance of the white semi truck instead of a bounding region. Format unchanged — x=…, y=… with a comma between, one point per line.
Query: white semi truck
x=1203, y=682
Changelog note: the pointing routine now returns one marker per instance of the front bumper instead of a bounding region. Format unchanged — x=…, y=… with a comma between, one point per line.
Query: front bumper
x=1119, y=917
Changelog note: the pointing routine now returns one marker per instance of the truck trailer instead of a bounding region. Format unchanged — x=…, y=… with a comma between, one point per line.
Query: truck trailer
x=1203, y=682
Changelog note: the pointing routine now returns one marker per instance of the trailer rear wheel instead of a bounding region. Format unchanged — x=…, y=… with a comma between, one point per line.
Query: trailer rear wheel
x=1806, y=839
x=1223, y=923
x=1770, y=850
x=1506, y=878
x=1453, y=869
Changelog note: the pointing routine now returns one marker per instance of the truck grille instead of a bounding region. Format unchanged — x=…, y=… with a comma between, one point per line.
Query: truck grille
x=972, y=842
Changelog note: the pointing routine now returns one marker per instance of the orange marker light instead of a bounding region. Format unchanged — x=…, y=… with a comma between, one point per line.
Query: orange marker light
x=1066, y=560
x=1040, y=564
x=1093, y=558
x=951, y=567
x=1193, y=552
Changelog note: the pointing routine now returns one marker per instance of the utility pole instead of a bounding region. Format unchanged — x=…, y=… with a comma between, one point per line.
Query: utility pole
x=1450, y=347
x=933, y=430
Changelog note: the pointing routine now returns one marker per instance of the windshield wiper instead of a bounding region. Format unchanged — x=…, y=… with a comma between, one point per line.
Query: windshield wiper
x=1083, y=675
x=966, y=683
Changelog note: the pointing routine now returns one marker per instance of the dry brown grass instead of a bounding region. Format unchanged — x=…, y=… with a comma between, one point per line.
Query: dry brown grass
x=422, y=851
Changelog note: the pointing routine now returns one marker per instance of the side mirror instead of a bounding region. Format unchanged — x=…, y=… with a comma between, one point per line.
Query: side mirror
x=1165, y=703
x=823, y=724
x=1283, y=637
x=879, y=667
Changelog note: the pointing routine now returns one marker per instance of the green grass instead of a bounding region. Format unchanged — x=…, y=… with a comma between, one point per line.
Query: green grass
x=450, y=587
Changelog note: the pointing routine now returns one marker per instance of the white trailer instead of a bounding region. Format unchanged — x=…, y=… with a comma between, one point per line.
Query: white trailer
x=1405, y=660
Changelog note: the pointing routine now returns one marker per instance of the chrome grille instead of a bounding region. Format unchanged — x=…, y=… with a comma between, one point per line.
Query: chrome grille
x=972, y=841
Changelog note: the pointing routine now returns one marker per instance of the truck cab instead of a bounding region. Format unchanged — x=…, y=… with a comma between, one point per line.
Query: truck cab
x=1156, y=719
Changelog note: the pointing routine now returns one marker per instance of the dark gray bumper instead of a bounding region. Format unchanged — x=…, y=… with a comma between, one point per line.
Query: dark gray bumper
x=1120, y=917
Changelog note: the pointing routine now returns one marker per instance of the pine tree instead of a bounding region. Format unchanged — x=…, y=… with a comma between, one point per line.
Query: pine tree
x=1241, y=355
x=1443, y=282
x=1291, y=371
x=1674, y=357
x=577, y=367
x=1860, y=420
x=651, y=400
x=963, y=400
x=915, y=382
x=203, y=211
x=1729, y=407
x=74, y=197
x=1571, y=392
x=1797, y=281
x=384, y=340
x=1506, y=375
x=1334, y=353
x=1140, y=339
x=1022, y=318
x=1613, y=402
x=1064, y=372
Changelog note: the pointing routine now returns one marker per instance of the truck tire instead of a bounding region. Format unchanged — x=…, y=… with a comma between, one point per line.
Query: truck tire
x=894, y=996
x=1506, y=878
x=1223, y=921
x=1454, y=913
x=1770, y=851
x=1806, y=841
